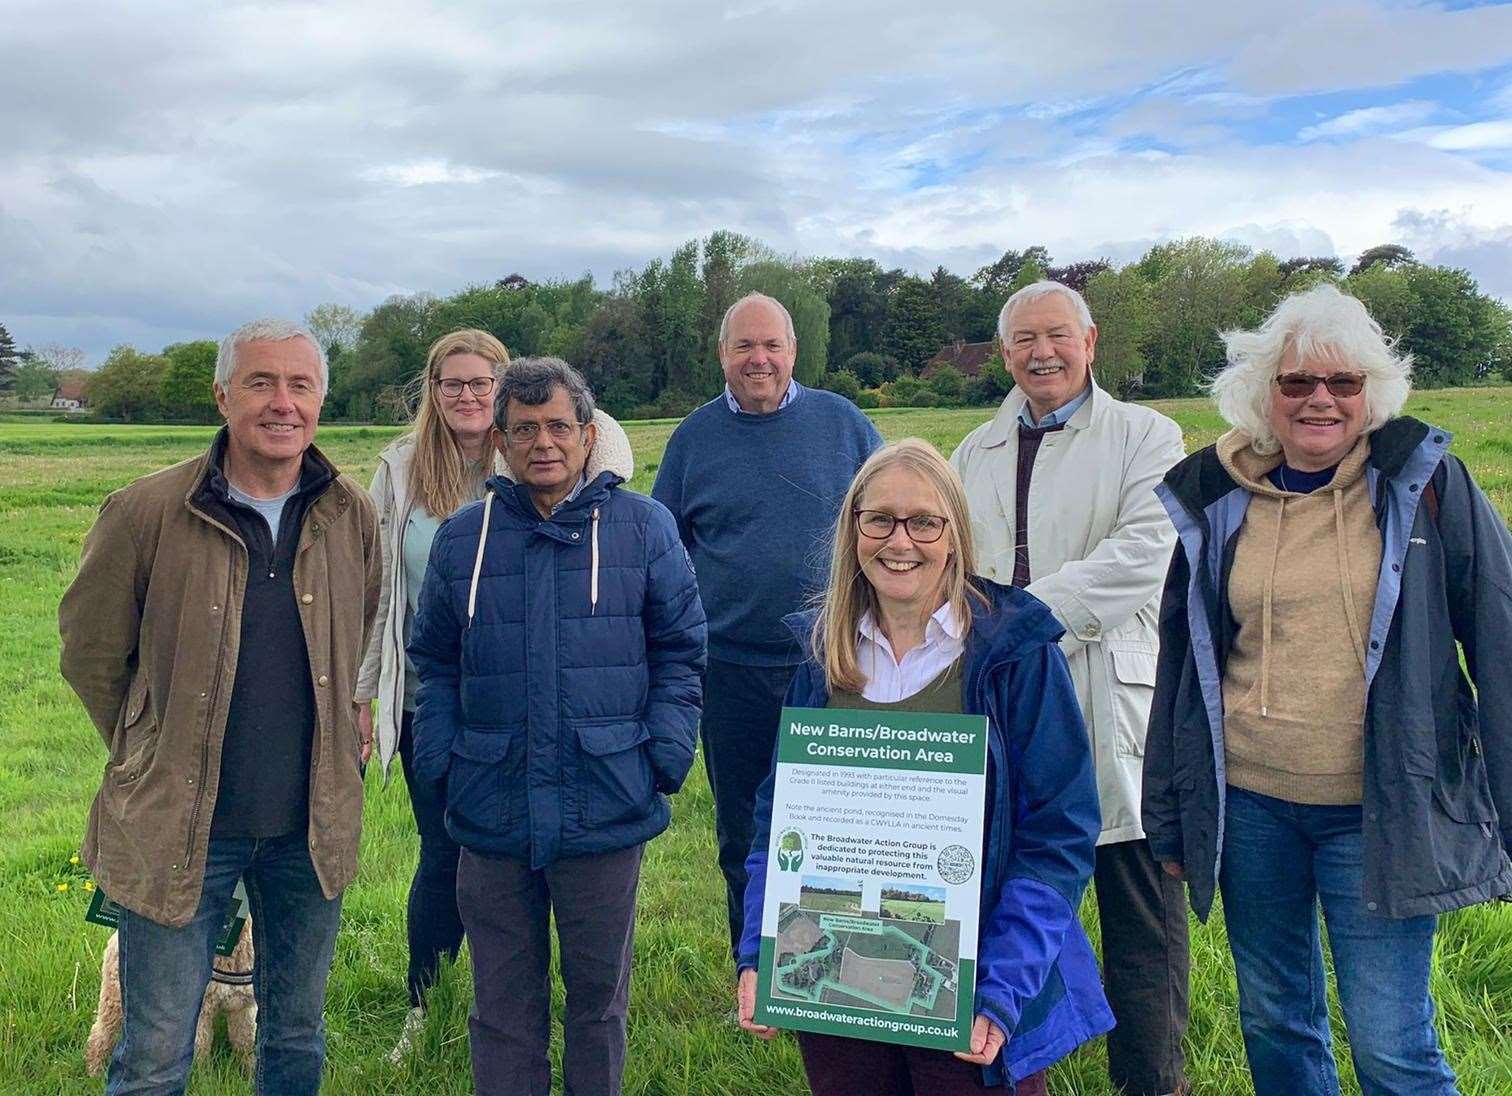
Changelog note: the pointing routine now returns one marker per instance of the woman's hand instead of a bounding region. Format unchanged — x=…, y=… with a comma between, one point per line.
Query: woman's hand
x=987, y=1040
x=1174, y=870
x=365, y=728
x=745, y=1005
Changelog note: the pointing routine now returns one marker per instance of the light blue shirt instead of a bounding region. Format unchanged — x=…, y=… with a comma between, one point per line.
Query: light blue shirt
x=419, y=532
x=788, y=397
x=574, y=493
x=1056, y=417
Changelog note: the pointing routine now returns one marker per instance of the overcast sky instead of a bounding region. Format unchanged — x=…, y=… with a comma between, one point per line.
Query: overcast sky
x=168, y=170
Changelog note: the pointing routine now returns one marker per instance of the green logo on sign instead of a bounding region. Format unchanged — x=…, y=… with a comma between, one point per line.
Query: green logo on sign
x=790, y=850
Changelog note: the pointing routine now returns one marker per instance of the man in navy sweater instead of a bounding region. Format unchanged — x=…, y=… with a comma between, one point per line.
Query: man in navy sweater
x=755, y=478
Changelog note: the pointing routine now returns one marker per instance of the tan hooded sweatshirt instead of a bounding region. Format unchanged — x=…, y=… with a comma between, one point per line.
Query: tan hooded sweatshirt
x=1302, y=590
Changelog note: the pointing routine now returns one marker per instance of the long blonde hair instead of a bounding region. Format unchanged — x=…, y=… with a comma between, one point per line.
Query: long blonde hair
x=441, y=477
x=850, y=596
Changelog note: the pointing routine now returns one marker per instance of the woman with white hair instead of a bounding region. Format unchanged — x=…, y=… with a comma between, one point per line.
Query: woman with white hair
x=1313, y=737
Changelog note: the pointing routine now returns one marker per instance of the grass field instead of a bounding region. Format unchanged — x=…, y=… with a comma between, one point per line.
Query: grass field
x=52, y=478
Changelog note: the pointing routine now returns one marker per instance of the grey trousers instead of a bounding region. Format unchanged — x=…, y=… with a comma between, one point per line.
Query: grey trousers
x=506, y=910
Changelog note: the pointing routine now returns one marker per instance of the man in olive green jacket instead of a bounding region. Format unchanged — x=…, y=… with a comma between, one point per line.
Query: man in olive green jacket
x=213, y=634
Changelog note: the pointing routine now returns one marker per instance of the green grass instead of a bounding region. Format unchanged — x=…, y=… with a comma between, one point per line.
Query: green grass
x=52, y=478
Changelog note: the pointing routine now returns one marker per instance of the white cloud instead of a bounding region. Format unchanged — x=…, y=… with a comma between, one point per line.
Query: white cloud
x=1476, y=137
x=1354, y=123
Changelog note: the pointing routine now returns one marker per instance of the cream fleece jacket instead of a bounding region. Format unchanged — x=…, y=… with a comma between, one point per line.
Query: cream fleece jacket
x=1301, y=590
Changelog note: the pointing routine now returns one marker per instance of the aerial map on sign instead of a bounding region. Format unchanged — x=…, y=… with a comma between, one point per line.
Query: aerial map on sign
x=899, y=959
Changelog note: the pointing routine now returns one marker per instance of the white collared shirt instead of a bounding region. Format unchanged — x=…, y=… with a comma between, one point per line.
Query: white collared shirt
x=887, y=680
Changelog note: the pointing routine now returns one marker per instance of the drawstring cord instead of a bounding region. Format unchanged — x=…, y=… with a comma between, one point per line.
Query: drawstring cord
x=1347, y=578
x=1265, y=614
x=593, y=580
x=472, y=591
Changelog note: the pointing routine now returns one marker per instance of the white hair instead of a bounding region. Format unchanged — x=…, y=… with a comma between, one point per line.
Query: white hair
x=1035, y=290
x=1320, y=322
x=751, y=298
x=266, y=331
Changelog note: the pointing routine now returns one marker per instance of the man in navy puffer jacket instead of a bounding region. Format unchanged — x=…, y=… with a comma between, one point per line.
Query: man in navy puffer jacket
x=559, y=643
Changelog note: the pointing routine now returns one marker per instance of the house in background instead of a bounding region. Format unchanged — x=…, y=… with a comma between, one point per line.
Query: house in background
x=69, y=396
x=968, y=358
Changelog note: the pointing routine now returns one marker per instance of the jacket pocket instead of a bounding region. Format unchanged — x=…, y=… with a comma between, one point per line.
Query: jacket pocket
x=484, y=786
x=1461, y=785
x=1133, y=688
x=614, y=779
x=138, y=735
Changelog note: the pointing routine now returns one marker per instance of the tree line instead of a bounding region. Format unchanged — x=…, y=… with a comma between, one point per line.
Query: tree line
x=648, y=342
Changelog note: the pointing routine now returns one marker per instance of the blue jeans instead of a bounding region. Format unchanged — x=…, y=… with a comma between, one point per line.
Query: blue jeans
x=1279, y=860
x=164, y=972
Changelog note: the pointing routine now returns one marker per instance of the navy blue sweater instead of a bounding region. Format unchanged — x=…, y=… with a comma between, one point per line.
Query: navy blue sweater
x=755, y=498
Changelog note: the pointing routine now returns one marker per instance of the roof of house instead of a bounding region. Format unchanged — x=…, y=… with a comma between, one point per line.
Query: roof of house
x=70, y=390
x=969, y=358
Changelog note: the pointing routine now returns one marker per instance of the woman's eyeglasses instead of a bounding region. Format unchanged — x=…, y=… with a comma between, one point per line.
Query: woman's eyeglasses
x=879, y=525
x=451, y=387
x=1294, y=386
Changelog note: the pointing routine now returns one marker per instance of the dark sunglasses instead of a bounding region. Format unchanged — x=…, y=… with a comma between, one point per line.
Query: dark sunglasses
x=1295, y=386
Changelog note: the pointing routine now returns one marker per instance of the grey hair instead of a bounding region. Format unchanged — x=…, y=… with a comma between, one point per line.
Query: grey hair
x=533, y=380
x=1320, y=322
x=266, y=331
x=750, y=298
x=1035, y=290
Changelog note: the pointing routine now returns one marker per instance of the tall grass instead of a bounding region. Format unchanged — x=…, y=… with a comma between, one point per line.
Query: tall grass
x=52, y=477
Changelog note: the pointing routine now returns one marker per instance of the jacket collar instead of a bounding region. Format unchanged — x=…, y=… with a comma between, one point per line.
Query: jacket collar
x=1004, y=425
x=1201, y=480
x=593, y=495
x=316, y=473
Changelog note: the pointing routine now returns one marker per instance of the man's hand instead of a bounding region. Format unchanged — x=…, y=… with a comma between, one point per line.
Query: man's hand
x=987, y=1040
x=1174, y=870
x=365, y=728
x=745, y=1004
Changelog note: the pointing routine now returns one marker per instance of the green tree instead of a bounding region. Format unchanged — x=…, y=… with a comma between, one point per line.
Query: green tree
x=36, y=378
x=1454, y=331
x=187, y=387
x=336, y=326
x=913, y=332
x=389, y=359
x=949, y=384
x=126, y=386
x=1197, y=290
x=1120, y=304
x=1390, y=255
x=616, y=358
x=1387, y=294
x=871, y=368
x=1028, y=274
x=857, y=291
x=10, y=361
x=843, y=384
x=996, y=278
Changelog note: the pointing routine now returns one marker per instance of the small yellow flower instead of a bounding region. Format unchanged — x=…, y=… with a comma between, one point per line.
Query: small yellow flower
x=89, y=884
x=74, y=859
x=62, y=887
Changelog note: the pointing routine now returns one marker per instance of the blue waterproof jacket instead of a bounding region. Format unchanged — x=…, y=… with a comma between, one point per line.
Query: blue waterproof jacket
x=1437, y=809
x=1036, y=974
x=560, y=664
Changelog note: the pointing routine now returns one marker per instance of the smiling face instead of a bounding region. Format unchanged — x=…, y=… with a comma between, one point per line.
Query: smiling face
x=469, y=416
x=1317, y=430
x=552, y=461
x=1047, y=352
x=757, y=356
x=908, y=577
x=271, y=405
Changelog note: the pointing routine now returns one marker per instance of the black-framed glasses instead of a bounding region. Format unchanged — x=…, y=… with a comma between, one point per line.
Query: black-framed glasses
x=451, y=387
x=921, y=528
x=1294, y=386
x=522, y=433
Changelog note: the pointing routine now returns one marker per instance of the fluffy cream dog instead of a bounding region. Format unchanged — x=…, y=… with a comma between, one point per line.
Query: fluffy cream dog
x=229, y=992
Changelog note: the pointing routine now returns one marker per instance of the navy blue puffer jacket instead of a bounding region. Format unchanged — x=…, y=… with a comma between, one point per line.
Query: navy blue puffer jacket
x=560, y=687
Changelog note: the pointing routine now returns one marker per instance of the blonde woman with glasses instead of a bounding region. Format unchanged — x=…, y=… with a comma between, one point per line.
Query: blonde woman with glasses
x=904, y=625
x=422, y=478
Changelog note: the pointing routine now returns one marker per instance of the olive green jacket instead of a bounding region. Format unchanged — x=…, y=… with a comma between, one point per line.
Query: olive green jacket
x=151, y=627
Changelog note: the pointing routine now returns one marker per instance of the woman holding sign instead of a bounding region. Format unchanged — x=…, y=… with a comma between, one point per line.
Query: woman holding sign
x=905, y=627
